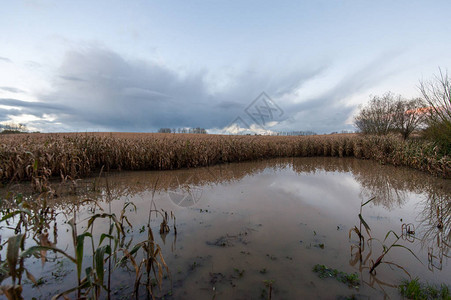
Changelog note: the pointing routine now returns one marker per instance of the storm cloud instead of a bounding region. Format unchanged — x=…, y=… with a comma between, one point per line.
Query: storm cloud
x=5, y=59
x=98, y=89
x=11, y=89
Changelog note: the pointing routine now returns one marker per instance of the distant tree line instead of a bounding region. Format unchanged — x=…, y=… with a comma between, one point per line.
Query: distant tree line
x=295, y=133
x=13, y=128
x=343, y=131
x=197, y=130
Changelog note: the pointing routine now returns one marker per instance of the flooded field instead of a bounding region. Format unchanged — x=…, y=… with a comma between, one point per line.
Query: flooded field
x=251, y=230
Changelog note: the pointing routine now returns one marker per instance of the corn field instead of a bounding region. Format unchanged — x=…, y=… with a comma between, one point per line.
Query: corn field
x=69, y=156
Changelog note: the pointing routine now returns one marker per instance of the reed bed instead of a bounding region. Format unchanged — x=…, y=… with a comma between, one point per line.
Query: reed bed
x=69, y=156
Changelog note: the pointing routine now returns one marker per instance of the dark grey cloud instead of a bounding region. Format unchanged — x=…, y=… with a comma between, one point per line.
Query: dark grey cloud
x=5, y=59
x=71, y=78
x=37, y=109
x=98, y=89
x=101, y=89
x=38, y=106
x=11, y=89
x=6, y=113
x=230, y=105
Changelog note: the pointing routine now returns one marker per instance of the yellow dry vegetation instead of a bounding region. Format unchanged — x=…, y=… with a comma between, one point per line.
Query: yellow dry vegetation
x=75, y=155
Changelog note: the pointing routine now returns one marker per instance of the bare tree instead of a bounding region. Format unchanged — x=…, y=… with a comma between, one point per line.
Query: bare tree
x=409, y=115
x=437, y=94
x=378, y=116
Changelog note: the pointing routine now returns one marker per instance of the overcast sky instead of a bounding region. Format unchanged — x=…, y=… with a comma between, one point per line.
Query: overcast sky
x=142, y=65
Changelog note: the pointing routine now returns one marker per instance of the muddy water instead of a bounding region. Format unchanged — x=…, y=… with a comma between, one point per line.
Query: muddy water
x=244, y=227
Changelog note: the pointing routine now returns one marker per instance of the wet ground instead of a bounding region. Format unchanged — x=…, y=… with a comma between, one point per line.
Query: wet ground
x=256, y=230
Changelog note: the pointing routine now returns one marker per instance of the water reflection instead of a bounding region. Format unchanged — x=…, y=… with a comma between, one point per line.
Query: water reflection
x=435, y=220
x=191, y=189
x=387, y=184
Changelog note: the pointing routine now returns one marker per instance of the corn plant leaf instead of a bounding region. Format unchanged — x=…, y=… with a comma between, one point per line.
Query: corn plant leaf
x=388, y=233
x=128, y=255
x=136, y=248
x=79, y=251
x=401, y=246
x=104, y=235
x=34, y=249
x=126, y=220
x=91, y=201
x=3, y=271
x=63, y=294
x=367, y=228
x=30, y=276
x=15, y=212
x=15, y=243
x=395, y=264
x=163, y=261
x=44, y=241
x=94, y=217
x=88, y=272
x=98, y=257
x=12, y=292
x=72, y=225
x=357, y=231
x=127, y=204
x=106, y=215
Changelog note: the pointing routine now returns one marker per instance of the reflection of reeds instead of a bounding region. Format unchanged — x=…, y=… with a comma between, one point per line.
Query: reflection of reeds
x=77, y=155
x=387, y=183
x=436, y=224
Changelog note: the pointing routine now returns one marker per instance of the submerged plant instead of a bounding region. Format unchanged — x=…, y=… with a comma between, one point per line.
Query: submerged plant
x=386, y=249
x=408, y=231
x=351, y=280
x=269, y=285
x=358, y=230
x=239, y=272
x=109, y=249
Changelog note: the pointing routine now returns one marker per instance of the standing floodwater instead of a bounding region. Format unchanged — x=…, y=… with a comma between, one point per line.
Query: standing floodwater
x=256, y=230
